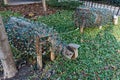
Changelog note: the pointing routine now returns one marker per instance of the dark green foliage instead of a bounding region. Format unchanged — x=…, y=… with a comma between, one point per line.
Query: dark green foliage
x=8, y=14
x=59, y=21
x=64, y=4
x=99, y=52
x=109, y=2
x=115, y=2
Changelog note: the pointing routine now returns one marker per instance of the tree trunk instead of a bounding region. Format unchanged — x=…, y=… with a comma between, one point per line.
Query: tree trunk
x=6, y=56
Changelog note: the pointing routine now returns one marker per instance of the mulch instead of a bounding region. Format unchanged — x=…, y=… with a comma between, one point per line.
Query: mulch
x=28, y=10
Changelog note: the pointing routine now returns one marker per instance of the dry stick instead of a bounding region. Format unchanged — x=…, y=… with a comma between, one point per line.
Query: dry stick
x=39, y=53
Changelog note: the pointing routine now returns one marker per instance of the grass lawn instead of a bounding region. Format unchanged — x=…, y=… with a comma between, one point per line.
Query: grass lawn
x=99, y=52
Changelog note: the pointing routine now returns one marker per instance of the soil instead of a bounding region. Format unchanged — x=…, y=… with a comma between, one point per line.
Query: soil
x=29, y=11
x=28, y=73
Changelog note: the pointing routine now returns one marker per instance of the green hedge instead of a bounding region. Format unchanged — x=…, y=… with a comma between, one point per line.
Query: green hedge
x=115, y=2
x=65, y=4
x=110, y=2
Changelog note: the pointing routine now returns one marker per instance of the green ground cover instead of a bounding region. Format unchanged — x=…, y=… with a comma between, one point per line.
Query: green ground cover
x=99, y=52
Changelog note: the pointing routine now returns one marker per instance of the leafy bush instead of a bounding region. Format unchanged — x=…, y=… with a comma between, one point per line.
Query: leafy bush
x=66, y=4
x=115, y=2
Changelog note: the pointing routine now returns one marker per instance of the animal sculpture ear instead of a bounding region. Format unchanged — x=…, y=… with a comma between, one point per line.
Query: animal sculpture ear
x=73, y=45
x=75, y=49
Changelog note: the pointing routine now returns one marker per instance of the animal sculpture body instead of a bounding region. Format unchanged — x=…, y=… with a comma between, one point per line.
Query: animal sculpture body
x=22, y=33
x=92, y=17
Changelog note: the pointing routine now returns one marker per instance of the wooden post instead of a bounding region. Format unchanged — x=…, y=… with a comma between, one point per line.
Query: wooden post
x=52, y=55
x=115, y=20
x=82, y=27
x=6, y=56
x=44, y=6
x=39, y=53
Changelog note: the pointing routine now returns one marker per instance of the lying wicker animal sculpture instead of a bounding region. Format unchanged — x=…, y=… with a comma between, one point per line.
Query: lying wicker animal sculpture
x=28, y=37
x=91, y=17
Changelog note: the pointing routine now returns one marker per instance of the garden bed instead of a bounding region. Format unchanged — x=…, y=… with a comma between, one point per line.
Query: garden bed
x=99, y=52
x=33, y=10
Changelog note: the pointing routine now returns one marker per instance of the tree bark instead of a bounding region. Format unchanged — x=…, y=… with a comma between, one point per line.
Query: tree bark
x=6, y=56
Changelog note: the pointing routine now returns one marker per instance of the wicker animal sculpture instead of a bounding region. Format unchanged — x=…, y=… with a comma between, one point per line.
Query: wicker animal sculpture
x=92, y=17
x=28, y=37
